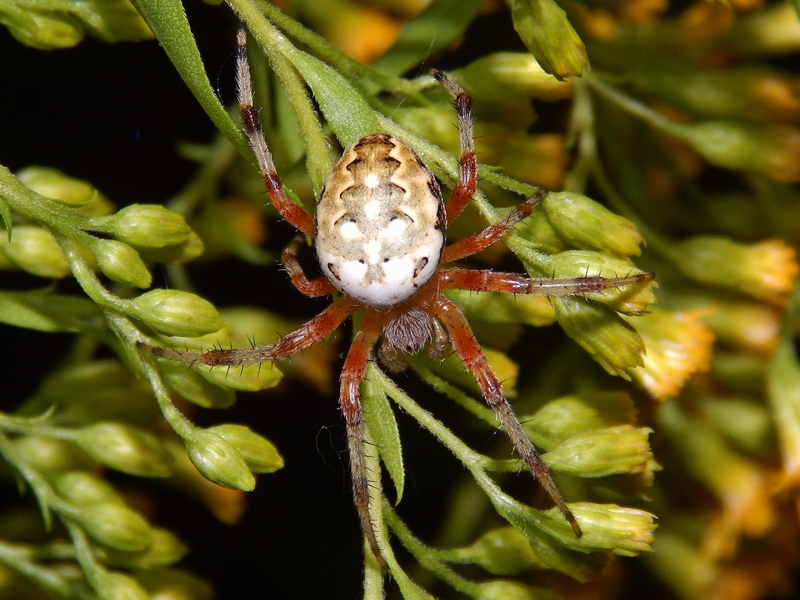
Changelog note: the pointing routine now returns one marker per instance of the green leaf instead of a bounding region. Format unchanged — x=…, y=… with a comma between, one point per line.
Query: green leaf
x=430, y=32
x=43, y=311
x=383, y=427
x=167, y=20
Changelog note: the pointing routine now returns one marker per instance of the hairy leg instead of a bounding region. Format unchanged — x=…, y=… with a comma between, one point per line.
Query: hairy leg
x=309, y=334
x=252, y=125
x=469, y=166
x=350, y=401
x=475, y=360
x=480, y=280
x=313, y=288
x=483, y=239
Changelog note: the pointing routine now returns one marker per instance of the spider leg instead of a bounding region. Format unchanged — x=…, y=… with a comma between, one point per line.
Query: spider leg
x=475, y=360
x=468, y=163
x=350, y=401
x=313, y=288
x=309, y=334
x=483, y=239
x=252, y=125
x=480, y=280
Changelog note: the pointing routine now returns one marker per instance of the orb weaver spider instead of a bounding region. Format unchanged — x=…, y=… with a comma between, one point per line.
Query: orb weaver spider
x=379, y=235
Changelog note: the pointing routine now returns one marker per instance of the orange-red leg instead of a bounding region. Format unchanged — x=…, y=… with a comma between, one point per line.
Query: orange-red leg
x=468, y=164
x=479, y=280
x=252, y=126
x=313, y=288
x=350, y=401
x=475, y=360
x=309, y=334
x=483, y=239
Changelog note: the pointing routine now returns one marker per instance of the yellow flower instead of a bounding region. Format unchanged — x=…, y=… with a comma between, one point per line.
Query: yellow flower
x=678, y=344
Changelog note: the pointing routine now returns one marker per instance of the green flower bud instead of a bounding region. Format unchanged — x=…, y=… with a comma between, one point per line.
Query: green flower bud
x=772, y=30
x=547, y=33
x=259, y=453
x=178, y=253
x=145, y=225
x=34, y=250
x=121, y=263
x=45, y=30
x=175, y=584
x=563, y=418
x=502, y=551
x=174, y=312
x=49, y=455
x=54, y=184
x=588, y=225
x=118, y=586
x=452, y=369
x=165, y=550
x=614, y=344
x=747, y=423
x=219, y=461
x=113, y=21
x=623, y=531
x=764, y=270
x=615, y=450
x=125, y=449
x=744, y=324
x=113, y=525
x=503, y=75
x=510, y=590
x=191, y=385
x=81, y=488
x=771, y=150
x=783, y=392
x=499, y=308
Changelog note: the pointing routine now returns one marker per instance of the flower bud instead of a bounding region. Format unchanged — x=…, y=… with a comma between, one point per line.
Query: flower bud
x=54, y=184
x=145, y=225
x=502, y=551
x=612, y=451
x=125, y=449
x=588, y=225
x=115, y=21
x=219, y=461
x=623, y=531
x=678, y=346
x=34, y=250
x=764, y=270
x=191, y=385
x=121, y=263
x=49, y=455
x=614, y=344
x=783, y=392
x=771, y=150
x=498, y=308
x=259, y=453
x=745, y=422
x=45, y=30
x=746, y=325
x=113, y=525
x=503, y=75
x=177, y=254
x=563, y=418
x=117, y=586
x=175, y=584
x=173, y=312
x=502, y=589
x=81, y=488
x=547, y=33
x=165, y=550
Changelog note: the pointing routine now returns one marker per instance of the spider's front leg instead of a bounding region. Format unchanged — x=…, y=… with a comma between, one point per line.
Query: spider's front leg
x=475, y=360
x=482, y=280
x=309, y=334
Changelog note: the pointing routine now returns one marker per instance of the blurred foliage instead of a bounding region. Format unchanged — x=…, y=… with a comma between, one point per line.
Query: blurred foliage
x=675, y=140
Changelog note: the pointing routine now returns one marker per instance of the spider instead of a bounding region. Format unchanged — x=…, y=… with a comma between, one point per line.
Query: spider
x=379, y=235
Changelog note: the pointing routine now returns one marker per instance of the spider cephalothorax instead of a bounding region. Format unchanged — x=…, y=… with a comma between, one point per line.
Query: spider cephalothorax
x=379, y=234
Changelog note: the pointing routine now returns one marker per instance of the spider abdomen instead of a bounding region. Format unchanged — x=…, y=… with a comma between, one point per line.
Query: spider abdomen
x=380, y=223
